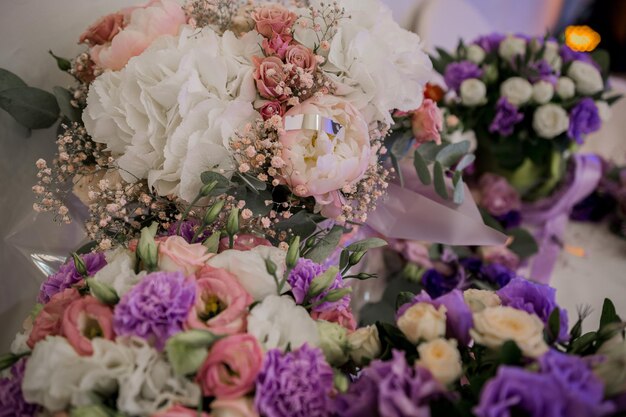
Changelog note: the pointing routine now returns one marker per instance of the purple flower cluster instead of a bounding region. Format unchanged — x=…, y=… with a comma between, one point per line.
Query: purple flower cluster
x=294, y=384
x=436, y=284
x=187, y=230
x=68, y=276
x=542, y=71
x=491, y=42
x=568, y=55
x=156, y=308
x=457, y=72
x=300, y=279
x=584, y=119
x=12, y=402
x=392, y=388
x=507, y=116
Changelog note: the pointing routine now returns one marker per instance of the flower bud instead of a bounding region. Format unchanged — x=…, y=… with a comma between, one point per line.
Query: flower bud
x=333, y=342
x=103, y=292
x=340, y=381
x=232, y=225
x=147, y=248
x=187, y=351
x=336, y=295
x=356, y=257
x=320, y=283
x=215, y=210
x=80, y=265
x=293, y=253
x=270, y=266
x=205, y=191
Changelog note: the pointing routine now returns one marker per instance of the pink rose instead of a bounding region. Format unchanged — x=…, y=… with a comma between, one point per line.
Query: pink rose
x=241, y=407
x=175, y=254
x=230, y=370
x=114, y=42
x=276, y=46
x=179, y=411
x=344, y=317
x=270, y=77
x=301, y=57
x=86, y=319
x=270, y=109
x=500, y=255
x=427, y=122
x=48, y=321
x=273, y=20
x=221, y=303
x=498, y=197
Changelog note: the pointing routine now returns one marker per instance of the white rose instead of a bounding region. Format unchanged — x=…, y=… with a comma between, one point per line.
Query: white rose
x=586, y=77
x=565, y=88
x=364, y=344
x=442, y=358
x=423, y=321
x=604, y=110
x=333, y=342
x=517, y=90
x=476, y=54
x=495, y=325
x=119, y=272
x=277, y=322
x=512, y=47
x=543, y=92
x=550, y=120
x=249, y=268
x=473, y=92
x=478, y=300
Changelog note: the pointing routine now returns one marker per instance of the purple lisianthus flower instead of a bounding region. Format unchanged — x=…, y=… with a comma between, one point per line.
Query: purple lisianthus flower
x=515, y=391
x=300, y=279
x=583, y=119
x=568, y=55
x=457, y=72
x=472, y=265
x=497, y=196
x=187, y=230
x=507, y=116
x=533, y=298
x=295, y=384
x=390, y=389
x=68, y=276
x=12, y=402
x=498, y=274
x=156, y=308
x=594, y=208
x=542, y=71
x=436, y=284
x=511, y=219
x=490, y=42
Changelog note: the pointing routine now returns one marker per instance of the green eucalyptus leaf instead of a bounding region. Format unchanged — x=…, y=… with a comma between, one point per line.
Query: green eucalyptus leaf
x=510, y=354
x=64, y=98
x=429, y=150
x=253, y=184
x=465, y=162
x=451, y=154
x=325, y=245
x=9, y=359
x=256, y=202
x=421, y=168
x=440, y=183
x=64, y=64
x=301, y=224
x=223, y=183
x=459, y=192
x=524, y=244
x=403, y=298
x=31, y=107
x=365, y=244
x=609, y=314
x=10, y=80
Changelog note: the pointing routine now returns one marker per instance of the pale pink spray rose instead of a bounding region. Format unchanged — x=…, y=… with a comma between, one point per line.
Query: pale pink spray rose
x=270, y=77
x=276, y=46
x=498, y=197
x=175, y=254
x=141, y=25
x=221, y=305
x=344, y=317
x=84, y=320
x=240, y=407
x=427, y=122
x=273, y=20
x=48, y=321
x=180, y=411
x=231, y=369
x=301, y=57
x=243, y=242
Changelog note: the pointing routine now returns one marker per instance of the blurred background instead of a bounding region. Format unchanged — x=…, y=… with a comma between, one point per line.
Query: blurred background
x=32, y=245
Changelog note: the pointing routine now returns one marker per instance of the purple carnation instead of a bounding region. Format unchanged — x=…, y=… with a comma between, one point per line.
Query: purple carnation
x=583, y=119
x=457, y=72
x=300, y=279
x=294, y=384
x=533, y=298
x=12, y=402
x=156, y=308
x=390, y=389
x=68, y=276
x=507, y=116
x=490, y=42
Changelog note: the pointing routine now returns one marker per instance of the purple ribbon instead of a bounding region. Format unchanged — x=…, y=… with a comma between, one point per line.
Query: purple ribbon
x=550, y=215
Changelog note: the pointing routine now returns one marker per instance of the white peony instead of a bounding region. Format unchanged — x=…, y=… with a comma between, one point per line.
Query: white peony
x=478, y=300
x=442, y=358
x=604, y=110
x=511, y=47
x=364, y=344
x=119, y=272
x=278, y=323
x=586, y=77
x=565, y=88
x=517, y=90
x=333, y=342
x=170, y=113
x=422, y=321
x=543, y=92
x=473, y=92
x=249, y=268
x=476, y=54
x=550, y=120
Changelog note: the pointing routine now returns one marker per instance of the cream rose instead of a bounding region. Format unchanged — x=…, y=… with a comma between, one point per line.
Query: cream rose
x=586, y=77
x=550, y=120
x=473, y=92
x=364, y=344
x=543, y=92
x=175, y=254
x=495, y=325
x=517, y=90
x=423, y=321
x=333, y=342
x=565, y=88
x=442, y=358
x=476, y=54
x=511, y=47
x=478, y=300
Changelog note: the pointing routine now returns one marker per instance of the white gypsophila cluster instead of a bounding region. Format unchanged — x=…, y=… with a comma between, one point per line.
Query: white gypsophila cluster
x=170, y=113
x=374, y=63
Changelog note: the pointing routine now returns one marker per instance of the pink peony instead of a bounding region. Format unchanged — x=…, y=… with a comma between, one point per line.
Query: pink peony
x=221, y=303
x=343, y=317
x=427, y=122
x=241, y=407
x=273, y=20
x=86, y=319
x=270, y=109
x=500, y=255
x=175, y=254
x=116, y=38
x=244, y=242
x=180, y=411
x=270, y=77
x=230, y=370
x=301, y=57
x=48, y=321
x=498, y=197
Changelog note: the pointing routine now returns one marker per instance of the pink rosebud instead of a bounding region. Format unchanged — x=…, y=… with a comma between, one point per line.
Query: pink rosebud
x=301, y=57
x=175, y=254
x=270, y=77
x=272, y=108
x=230, y=370
x=344, y=317
x=244, y=242
x=180, y=411
x=498, y=197
x=48, y=321
x=273, y=20
x=84, y=320
x=427, y=122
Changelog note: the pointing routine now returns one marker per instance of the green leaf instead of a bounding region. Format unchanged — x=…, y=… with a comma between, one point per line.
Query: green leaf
x=103, y=292
x=440, y=184
x=451, y=154
x=31, y=107
x=603, y=59
x=365, y=244
x=64, y=64
x=9, y=359
x=421, y=168
x=320, y=283
x=212, y=243
x=325, y=245
x=609, y=314
x=524, y=244
x=554, y=325
x=582, y=344
x=253, y=184
x=403, y=298
x=510, y=354
x=343, y=259
x=256, y=202
x=64, y=98
x=459, y=192
x=429, y=150
x=465, y=162
x=300, y=224
x=10, y=80
x=613, y=99
x=187, y=351
x=489, y=220
x=223, y=183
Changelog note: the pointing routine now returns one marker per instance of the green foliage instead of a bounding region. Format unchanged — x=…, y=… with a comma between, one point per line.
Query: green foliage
x=64, y=98
x=524, y=244
x=325, y=245
x=440, y=184
x=31, y=107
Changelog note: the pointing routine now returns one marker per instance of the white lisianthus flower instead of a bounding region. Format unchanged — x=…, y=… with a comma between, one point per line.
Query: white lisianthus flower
x=552, y=56
x=550, y=120
x=478, y=300
x=442, y=358
x=422, y=321
x=565, y=88
x=543, y=92
x=495, y=325
x=511, y=47
x=364, y=344
x=473, y=92
x=586, y=77
x=277, y=322
x=333, y=342
x=517, y=90
x=604, y=110
x=476, y=54
x=249, y=269
x=119, y=272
